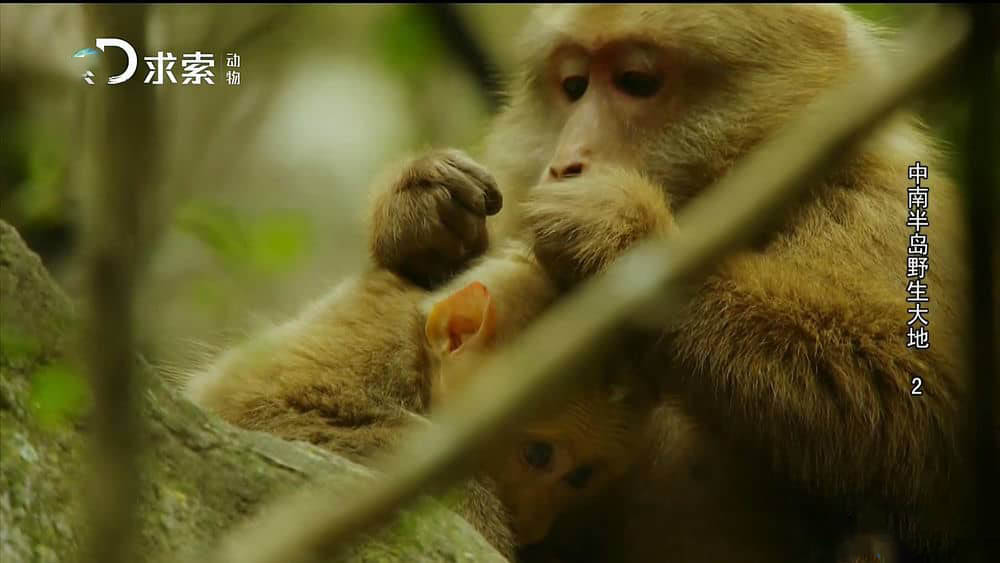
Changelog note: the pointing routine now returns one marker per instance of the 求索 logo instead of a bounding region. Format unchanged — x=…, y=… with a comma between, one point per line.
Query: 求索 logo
x=195, y=68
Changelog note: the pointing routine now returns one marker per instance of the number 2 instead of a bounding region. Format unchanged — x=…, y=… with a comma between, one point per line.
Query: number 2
x=917, y=383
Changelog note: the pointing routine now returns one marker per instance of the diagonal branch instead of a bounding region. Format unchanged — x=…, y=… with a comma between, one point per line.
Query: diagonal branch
x=738, y=209
x=468, y=50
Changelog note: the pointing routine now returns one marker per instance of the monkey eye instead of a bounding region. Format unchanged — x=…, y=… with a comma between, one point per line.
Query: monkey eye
x=580, y=476
x=638, y=84
x=574, y=86
x=538, y=454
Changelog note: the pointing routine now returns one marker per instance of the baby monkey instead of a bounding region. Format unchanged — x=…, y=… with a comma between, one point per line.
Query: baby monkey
x=561, y=456
x=357, y=368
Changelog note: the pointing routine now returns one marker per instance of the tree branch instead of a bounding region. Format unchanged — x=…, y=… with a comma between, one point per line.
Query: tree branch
x=122, y=151
x=468, y=50
x=740, y=208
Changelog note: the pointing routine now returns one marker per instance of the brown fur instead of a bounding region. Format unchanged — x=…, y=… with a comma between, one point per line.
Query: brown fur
x=348, y=375
x=792, y=354
x=686, y=500
x=571, y=246
x=428, y=216
x=353, y=371
x=789, y=363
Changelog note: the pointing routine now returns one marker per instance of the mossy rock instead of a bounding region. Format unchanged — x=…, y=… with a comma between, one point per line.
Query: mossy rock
x=201, y=475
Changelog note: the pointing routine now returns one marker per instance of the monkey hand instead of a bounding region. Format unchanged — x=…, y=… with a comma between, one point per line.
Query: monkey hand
x=431, y=220
x=582, y=224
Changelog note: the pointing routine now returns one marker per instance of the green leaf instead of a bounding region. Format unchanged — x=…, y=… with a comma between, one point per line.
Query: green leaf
x=219, y=228
x=58, y=394
x=41, y=195
x=266, y=245
x=278, y=241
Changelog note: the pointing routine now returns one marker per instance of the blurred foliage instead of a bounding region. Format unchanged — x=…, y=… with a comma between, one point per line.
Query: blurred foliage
x=16, y=346
x=43, y=200
x=58, y=395
x=260, y=246
x=407, y=41
x=34, y=159
x=58, y=392
x=401, y=41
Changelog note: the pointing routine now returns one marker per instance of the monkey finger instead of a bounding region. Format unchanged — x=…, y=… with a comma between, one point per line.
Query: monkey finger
x=466, y=191
x=464, y=224
x=464, y=194
x=493, y=199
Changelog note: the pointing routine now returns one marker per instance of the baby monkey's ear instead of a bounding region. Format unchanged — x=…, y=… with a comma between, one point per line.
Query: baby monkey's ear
x=464, y=316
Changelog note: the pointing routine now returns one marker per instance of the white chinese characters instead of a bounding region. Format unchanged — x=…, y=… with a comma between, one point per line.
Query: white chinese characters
x=159, y=66
x=917, y=265
x=917, y=260
x=232, y=76
x=196, y=69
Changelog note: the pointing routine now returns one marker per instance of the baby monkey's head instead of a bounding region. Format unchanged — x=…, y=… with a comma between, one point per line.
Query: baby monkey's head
x=567, y=451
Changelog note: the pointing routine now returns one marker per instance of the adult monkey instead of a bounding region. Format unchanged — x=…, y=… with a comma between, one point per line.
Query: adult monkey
x=794, y=351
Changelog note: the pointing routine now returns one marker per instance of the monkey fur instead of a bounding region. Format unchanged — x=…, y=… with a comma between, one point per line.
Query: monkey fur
x=367, y=361
x=786, y=373
x=792, y=353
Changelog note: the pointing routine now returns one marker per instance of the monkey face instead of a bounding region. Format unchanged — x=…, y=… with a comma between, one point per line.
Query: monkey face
x=565, y=452
x=561, y=458
x=538, y=479
x=603, y=96
x=676, y=92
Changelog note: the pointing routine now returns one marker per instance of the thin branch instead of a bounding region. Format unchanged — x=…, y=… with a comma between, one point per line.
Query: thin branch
x=121, y=150
x=738, y=209
x=468, y=49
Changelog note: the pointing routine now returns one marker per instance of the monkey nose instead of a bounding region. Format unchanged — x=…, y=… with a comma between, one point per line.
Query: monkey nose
x=566, y=171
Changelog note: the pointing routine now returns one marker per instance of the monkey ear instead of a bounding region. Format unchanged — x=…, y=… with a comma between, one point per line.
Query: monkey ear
x=464, y=315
